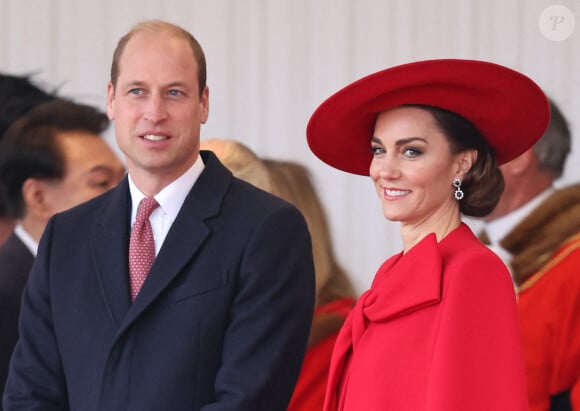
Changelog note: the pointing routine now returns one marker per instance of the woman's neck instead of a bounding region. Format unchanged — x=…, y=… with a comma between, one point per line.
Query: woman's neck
x=441, y=225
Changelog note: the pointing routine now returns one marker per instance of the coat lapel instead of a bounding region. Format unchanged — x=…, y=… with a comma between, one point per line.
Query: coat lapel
x=21, y=256
x=186, y=235
x=110, y=246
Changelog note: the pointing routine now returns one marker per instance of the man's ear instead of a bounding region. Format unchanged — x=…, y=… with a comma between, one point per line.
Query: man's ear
x=204, y=102
x=110, y=101
x=35, y=199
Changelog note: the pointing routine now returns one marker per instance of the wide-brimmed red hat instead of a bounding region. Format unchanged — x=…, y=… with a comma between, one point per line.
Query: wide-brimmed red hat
x=507, y=108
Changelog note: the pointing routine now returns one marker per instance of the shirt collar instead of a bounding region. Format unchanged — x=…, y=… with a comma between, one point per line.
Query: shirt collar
x=27, y=239
x=499, y=228
x=170, y=198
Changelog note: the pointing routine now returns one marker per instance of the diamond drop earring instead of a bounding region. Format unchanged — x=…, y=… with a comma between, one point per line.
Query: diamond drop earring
x=458, y=192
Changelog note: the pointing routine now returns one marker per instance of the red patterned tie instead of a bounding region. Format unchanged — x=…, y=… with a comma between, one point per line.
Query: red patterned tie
x=141, y=246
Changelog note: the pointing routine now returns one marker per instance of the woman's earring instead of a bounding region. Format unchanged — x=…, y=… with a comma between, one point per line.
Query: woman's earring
x=457, y=184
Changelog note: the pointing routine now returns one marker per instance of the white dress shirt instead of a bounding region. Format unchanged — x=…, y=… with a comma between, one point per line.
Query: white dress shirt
x=499, y=228
x=27, y=239
x=170, y=200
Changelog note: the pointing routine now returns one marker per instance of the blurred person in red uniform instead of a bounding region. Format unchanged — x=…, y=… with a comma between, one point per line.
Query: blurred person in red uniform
x=535, y=228
x=335, y=295
x=438, y=329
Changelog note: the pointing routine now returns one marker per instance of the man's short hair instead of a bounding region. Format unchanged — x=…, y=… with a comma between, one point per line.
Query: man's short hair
x=30, y=148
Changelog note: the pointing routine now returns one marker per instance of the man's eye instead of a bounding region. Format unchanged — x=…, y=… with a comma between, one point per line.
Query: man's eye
x=175, y=93
x=104, y=183
x=136, y=91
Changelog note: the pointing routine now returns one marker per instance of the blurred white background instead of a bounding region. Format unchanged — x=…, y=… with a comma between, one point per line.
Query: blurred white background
x=272, y=62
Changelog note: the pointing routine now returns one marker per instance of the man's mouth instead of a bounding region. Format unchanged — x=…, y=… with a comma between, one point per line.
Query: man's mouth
x=154, y=137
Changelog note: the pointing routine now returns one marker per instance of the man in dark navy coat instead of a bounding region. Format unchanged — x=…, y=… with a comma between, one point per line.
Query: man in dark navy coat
x=222, y=318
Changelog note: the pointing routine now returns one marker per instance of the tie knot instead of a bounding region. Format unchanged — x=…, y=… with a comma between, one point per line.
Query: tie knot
x=146, y=207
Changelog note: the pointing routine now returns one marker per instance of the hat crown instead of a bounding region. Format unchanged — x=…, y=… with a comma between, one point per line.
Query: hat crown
x=507, y=107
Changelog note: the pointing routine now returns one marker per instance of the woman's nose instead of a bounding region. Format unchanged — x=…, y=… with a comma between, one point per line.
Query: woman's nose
x=385, y=168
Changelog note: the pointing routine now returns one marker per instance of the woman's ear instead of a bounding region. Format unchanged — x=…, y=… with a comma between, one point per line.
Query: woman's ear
x=465, y=160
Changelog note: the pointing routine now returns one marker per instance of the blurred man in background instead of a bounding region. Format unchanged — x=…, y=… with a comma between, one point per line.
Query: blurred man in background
x=535, y=229
x=51, y=159
x=18, y=94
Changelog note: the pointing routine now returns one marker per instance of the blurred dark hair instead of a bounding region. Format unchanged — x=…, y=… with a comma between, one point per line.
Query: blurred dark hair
x=30, y=148
x=18, y=94
x=483, y=184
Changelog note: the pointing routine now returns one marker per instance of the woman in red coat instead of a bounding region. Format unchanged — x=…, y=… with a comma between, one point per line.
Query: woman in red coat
x=438, y=329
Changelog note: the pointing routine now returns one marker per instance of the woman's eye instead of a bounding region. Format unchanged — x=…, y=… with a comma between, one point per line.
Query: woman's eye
x=376, y=150
x=412, y=152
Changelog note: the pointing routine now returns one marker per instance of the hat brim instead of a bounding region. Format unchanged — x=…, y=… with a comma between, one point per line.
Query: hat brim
x=508, y=108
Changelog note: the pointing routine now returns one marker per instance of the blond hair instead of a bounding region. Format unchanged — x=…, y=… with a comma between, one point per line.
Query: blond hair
x=240, y=160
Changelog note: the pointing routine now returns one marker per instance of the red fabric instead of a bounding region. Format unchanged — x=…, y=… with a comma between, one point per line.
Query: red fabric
x=311, y=386
x=437, y=331
x=549, y=313
x=141, y=246
x=508, y=108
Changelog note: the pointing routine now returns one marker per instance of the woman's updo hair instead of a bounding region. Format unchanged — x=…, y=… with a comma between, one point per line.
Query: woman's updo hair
x=483, y=184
